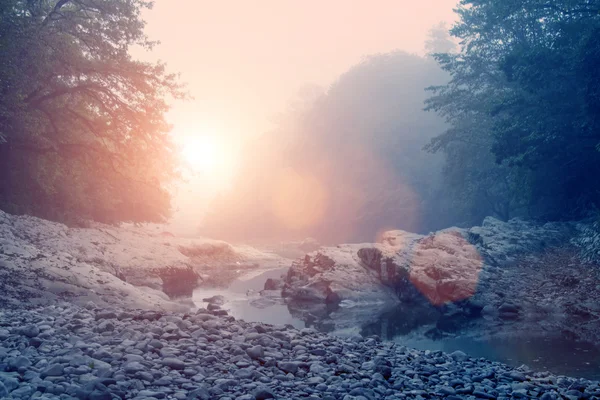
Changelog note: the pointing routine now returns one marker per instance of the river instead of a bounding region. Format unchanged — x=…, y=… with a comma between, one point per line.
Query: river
x=556, y=355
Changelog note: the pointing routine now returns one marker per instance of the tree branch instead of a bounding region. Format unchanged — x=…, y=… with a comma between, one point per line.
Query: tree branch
x=55, y=10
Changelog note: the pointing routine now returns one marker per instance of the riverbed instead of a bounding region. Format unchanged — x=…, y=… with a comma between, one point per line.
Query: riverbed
x=556, y=355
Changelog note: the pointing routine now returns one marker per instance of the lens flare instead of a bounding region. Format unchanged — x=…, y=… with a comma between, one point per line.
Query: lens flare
x=299, y=200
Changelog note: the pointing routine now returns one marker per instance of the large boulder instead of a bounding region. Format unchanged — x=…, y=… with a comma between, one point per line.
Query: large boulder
x=442, y=268
x=334, y=274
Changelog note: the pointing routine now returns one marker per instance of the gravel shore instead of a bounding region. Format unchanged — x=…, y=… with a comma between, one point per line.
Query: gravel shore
x=69, y=352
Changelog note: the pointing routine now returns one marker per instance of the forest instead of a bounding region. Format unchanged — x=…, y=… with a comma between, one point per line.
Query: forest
x=502, y=118
x=82, y=127
x=515, y=119
x=420, y=219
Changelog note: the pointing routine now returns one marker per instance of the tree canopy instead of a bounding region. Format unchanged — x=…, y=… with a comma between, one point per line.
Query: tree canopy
x=523, y=108
x=82, y=128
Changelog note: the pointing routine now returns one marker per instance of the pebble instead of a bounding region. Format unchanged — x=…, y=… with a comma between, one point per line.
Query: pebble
x=203, y=356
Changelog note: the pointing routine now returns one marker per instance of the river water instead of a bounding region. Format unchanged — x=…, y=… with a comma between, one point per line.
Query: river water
x=556, y=355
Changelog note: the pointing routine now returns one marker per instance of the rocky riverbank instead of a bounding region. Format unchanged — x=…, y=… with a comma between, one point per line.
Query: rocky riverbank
x=513, y=278
x=69, y=352
x=44, y=262
x=93, y=313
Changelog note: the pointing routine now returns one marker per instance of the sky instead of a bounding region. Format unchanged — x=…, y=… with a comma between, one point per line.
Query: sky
x=244, y=61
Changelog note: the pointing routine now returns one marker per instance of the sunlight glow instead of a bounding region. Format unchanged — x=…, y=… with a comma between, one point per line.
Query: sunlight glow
x=201, y=153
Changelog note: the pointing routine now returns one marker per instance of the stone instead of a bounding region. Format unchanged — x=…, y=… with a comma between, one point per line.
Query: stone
x=256, y=352
x=263, y=393
x=19, y=362
x=100, y=395
x=105, y=326
x=30, y=331
x=133, y=367
x=200, y=393
x=52, y=370
x=10, y=381
x=3, y=391
x=288, y=366
x=459, y=356
x=447, y=390
x=273, y=284
x=105, y=315
x=173, y=363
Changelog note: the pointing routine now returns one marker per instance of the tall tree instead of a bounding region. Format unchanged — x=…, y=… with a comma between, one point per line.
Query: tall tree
x=525, y=89
x=82, y=128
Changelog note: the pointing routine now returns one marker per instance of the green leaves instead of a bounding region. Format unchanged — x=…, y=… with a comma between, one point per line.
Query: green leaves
x=526, y=82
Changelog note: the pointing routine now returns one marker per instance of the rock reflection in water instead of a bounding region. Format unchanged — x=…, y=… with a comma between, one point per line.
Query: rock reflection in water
x=351, y=318
x=401, y=320
x=412, y=325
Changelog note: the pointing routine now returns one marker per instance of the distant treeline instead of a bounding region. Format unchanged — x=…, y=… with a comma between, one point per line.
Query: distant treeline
x=511, y=126
x=520, y=97
x=82, y=133
x=344, y=163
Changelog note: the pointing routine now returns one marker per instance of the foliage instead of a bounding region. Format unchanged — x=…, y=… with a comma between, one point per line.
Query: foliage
x=524, y=89
x=82, y=129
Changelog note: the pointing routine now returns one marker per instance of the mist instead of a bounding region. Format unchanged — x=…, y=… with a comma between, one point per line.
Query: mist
x=344, y=163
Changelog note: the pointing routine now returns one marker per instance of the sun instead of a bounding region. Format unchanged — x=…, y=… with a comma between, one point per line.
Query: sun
x=200, y=153
x=206, y=156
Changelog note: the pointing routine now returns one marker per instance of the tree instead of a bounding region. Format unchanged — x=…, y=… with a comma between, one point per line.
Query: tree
x=525, y=89
x=82, y=128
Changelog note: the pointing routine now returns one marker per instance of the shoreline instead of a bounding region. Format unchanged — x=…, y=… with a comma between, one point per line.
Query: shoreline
x=69, y=352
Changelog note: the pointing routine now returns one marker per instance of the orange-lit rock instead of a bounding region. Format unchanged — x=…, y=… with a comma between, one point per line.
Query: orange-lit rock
x=445, y=267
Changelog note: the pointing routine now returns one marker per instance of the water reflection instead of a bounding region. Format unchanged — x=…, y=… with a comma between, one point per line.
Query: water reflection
x=409, y=324
x=242, y=300
x=401, y=320
x=556, y=355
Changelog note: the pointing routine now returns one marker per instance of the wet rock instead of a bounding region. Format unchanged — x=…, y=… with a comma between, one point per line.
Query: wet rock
x=217, y=300
x=273, y=284
x=459, y=356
